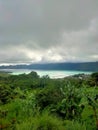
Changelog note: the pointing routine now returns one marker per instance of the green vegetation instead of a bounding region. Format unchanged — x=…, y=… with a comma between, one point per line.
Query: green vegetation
x=4, y=74
x=30, y=102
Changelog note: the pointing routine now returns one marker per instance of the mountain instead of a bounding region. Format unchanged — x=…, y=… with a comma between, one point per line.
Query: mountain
x=83, y=66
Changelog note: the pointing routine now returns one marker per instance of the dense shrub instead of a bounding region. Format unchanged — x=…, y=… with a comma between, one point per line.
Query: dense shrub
x=5, y=94
x=48, y=97
x=70, y=107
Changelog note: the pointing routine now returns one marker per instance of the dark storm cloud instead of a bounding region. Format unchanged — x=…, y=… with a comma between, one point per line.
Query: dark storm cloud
x=48, y=30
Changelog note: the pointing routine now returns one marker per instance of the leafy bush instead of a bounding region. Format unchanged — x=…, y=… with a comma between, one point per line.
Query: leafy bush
x=5, y=94
x=70, y=107
x=48, y=97
x=94, y=77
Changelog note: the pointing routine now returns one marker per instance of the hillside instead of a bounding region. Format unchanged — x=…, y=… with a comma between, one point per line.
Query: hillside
x=83, y=66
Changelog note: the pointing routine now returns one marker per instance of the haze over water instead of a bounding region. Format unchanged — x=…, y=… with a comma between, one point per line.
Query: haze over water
x=50, y=73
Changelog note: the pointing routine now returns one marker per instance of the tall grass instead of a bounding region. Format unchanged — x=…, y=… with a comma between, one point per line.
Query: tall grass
x=43, y=121
x=74, y=125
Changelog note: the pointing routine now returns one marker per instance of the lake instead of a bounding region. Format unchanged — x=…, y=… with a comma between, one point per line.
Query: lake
x=50, y=73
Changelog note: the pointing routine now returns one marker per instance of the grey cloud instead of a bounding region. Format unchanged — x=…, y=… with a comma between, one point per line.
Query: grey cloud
x=12, y=55
x=68, y=26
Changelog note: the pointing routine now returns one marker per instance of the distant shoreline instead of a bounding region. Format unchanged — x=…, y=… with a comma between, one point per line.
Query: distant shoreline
x=2, y=71
x=50, y=73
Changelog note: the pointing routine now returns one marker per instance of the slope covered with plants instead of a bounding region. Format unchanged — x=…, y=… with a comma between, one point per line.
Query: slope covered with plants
x=30, y=102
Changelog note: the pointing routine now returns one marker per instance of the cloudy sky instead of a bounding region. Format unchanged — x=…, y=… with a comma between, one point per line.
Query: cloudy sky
x=48, y=31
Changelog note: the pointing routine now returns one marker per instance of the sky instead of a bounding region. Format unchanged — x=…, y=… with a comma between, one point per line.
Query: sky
x=41, y=31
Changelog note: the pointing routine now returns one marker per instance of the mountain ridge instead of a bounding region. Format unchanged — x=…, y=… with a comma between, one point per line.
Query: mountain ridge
x=82, y=66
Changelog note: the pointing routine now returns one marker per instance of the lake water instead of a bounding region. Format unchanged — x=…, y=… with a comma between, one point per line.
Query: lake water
x=50, y=73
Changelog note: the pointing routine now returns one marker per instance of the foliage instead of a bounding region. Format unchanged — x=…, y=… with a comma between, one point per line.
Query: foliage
x=44, y=121
x=5, y=94
x=28, y=102
x=94, y=77
x=74, y=125
x=70, y=107
x=48, y=97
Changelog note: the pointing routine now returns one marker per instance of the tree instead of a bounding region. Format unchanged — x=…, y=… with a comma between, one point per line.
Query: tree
x=5, y=93
x=94, y=78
